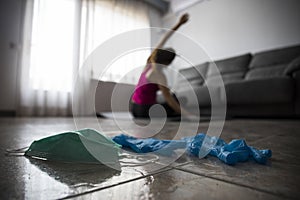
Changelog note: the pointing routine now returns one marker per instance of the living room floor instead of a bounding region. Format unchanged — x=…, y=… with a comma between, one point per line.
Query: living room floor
x=186, y=178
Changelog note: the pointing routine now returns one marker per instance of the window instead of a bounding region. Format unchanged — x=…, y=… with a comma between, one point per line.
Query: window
x=52, y=45
x=53, y=42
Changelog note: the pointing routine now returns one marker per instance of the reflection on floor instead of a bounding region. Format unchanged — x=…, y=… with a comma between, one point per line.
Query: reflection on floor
x=185, y=178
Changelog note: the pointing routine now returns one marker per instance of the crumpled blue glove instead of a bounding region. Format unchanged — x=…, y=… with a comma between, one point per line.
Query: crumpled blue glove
x=140, y=145
x=231, y=153
x=149, y=144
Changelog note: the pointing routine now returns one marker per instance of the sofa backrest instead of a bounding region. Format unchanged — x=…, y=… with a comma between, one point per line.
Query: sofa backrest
x=231, y=69
x=261, y=65
x=269, y=64
x=193, y=75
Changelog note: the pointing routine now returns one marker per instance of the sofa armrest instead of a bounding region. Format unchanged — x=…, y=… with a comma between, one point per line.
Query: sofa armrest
x=293, y=67
x=296, y=76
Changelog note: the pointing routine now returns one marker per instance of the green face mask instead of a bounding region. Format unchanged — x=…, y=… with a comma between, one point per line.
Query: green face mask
x=83, y=146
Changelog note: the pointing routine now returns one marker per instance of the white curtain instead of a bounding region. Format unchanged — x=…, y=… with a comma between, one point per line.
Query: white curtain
x=101, y=20
x=58, y=37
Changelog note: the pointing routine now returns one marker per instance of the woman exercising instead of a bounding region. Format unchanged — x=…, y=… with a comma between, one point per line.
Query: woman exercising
x=153, y=79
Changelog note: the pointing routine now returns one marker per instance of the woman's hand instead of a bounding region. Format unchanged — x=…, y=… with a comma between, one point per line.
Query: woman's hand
x=184, y=18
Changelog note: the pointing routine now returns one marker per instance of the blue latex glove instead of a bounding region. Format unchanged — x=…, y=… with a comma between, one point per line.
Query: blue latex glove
x=149, y=144
x=231, y=153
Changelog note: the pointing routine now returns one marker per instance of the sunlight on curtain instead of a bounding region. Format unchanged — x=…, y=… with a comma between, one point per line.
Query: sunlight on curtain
x=59, y=35
x=101, y=20
x=47, y=62
x=51, y=66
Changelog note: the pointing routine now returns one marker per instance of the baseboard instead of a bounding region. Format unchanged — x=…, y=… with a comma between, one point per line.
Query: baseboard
x=7, y=113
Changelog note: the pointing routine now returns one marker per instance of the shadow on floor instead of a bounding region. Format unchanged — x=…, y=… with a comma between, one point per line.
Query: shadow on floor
x=75, y=174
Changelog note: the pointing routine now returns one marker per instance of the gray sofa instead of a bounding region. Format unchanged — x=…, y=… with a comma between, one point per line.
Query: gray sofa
x=264, y=84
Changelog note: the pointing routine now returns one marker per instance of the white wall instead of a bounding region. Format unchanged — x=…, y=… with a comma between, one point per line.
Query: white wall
x=155, y=21
x=10, y=26
x=226, y=28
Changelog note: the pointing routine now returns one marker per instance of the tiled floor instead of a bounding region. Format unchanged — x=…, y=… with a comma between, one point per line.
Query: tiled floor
x=186, y=178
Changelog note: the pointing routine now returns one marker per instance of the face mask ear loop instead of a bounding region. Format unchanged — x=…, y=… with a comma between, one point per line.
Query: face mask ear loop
x=16, y=152
x=141, y=159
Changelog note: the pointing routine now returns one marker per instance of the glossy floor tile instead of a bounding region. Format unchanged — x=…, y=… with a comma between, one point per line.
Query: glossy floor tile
x=184, y=178
x=176, y=184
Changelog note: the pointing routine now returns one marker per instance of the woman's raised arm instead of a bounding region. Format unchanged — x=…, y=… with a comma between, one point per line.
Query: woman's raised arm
x=183, y=19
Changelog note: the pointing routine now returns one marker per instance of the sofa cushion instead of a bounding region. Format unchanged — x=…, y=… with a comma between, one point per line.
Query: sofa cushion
x=203, y=97
x=274, y=57
x=262, y=91
x=227, y=78
x=293, y=66
x=191, y=77
x=266, y=72
x=230, y=65
x=202, y=69
x=194, y=75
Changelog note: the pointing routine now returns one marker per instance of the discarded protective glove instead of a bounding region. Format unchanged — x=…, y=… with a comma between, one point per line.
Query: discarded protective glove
x=231, y=153
x=149, y=144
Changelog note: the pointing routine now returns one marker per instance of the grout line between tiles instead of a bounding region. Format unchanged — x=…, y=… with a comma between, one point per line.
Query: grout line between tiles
x=116, y=184
x=233, y=183
x=264, y=138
